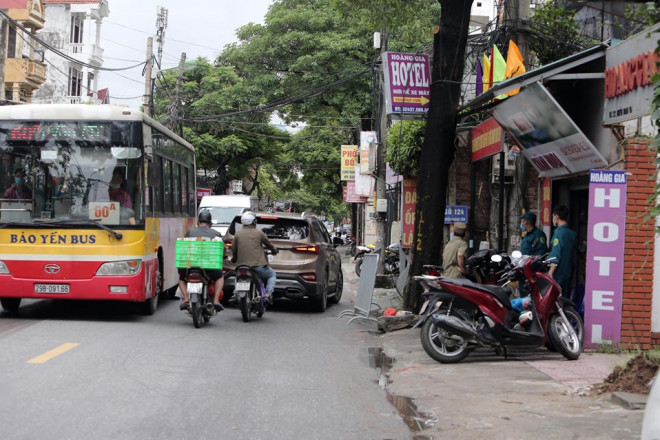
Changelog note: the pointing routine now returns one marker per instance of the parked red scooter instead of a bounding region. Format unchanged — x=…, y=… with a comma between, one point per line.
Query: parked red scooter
x=472, y=315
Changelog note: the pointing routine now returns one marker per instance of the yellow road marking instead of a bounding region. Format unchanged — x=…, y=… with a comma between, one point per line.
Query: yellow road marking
x=53, y=353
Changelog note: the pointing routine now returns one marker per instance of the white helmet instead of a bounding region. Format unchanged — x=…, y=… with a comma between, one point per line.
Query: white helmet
x=248, y=218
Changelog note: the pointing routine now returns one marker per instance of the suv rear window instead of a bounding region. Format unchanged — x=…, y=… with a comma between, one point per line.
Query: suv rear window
x=277, y=228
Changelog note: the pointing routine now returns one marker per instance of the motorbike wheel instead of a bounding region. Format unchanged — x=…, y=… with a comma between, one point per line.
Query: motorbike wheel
x=197, y=311
x=358, y=266
x=568, y=343
x=245, y=304
x=442, y=345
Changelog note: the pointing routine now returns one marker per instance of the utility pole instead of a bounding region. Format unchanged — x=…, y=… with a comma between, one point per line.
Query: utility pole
x=161, y=25
x=3, y=50
x=174, y=109
x=381, y=195
x=147, y=77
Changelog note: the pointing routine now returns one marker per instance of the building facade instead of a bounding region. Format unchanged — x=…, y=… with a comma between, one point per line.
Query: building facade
x=25, y=70
x=73, y=27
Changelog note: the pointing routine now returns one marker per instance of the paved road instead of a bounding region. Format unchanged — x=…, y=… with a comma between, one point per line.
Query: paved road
x=117, y=375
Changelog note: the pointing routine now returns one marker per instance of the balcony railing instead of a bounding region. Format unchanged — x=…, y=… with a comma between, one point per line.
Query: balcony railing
x=25, y=70
x=84, y=52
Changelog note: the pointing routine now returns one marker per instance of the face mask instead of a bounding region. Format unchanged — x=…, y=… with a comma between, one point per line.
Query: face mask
x=115, y=185
x=554, y=222
x=18, y=180
x=451, y=235
x=522, y=227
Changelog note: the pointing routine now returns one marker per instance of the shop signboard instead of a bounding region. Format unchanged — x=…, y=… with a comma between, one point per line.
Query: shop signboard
x=605, y=252
x=348, y=161
x=407, y=83
x=368, y=147
x=349, y=194
x=409, y=207
x=629, y=68
x=487, y=139
x=201, y=192
x=549, y=139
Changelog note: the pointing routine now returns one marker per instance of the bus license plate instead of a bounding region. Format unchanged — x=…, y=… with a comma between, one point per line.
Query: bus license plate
x=242, y=286
x=51, y=288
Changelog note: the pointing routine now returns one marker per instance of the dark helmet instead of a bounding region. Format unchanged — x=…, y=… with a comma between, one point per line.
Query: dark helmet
x=204, y=217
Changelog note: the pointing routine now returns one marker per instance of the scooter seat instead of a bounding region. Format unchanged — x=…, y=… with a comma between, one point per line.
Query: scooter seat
x=501, y=293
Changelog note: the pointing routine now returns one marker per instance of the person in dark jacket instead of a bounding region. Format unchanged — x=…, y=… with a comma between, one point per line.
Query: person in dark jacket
x=563, y=246
x=535, y=241
x=248, y=250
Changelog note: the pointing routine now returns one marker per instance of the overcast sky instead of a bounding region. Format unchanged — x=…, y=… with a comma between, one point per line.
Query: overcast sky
x=196, y=27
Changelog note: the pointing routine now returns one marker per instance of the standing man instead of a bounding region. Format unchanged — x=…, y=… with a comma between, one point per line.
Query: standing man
x=563, y=245
x=535, y=241
x=453, y=257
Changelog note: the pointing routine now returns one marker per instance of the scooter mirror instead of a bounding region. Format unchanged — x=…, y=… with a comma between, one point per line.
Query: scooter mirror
x=497, y=258
x=516, y=254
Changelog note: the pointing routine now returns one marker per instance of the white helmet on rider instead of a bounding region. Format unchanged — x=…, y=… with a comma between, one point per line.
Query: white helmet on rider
x=248, y=218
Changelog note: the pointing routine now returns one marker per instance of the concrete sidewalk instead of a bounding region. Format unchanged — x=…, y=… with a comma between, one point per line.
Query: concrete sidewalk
x=532, y=394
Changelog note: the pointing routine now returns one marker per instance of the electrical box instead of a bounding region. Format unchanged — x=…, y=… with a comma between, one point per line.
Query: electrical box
x=509, y=168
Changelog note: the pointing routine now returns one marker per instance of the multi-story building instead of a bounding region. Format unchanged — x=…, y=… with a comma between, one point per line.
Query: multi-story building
x=24, y=69
x=73, y=27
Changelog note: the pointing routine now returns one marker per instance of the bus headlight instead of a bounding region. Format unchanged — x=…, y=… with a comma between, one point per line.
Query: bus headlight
x=128, y=267
x=3, y=268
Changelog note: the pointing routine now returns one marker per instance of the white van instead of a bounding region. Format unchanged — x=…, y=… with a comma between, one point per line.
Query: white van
x=224, y=208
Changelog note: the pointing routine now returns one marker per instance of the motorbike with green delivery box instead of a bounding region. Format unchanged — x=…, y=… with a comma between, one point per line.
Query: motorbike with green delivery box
x=196, y=255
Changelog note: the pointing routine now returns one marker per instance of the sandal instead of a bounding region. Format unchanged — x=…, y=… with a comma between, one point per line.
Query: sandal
x=218, y=307
x=185, y=305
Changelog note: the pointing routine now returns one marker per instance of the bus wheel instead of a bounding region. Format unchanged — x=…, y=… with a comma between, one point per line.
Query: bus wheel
x=10, y=304
x=151, y=304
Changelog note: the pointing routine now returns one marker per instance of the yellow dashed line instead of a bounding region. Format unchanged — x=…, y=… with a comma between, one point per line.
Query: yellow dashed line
x=53, y=353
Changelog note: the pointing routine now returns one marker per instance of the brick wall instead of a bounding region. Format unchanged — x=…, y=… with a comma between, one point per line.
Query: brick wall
x=639, y=249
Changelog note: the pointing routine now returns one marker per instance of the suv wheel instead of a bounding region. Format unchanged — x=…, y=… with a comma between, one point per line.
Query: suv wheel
x=320, y=303
x=339, y=289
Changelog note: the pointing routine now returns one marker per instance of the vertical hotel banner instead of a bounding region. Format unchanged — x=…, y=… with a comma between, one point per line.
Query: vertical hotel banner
x=348, y=160
x=605, y=249
x=408, y=215
x=487, y=139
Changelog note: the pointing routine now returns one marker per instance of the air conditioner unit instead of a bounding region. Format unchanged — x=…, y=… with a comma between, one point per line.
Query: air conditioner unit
x=509, y=168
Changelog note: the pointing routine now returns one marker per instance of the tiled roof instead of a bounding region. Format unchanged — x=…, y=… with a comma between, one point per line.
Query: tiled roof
x=71, y=2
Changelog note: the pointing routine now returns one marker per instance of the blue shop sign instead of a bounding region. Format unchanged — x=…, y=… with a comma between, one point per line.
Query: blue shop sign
x=456, y=214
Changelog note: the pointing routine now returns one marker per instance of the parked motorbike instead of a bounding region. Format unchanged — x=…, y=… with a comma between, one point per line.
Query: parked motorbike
x=352, y=245
x=201, y=290
x=250, y=291
x=467, y=315
x=482, y=267
x=390, y=263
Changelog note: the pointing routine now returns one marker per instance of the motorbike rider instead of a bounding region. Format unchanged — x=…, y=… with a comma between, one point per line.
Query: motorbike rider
x=203, y=230
x=453, y=256
x=535, y=241
x=247, y=250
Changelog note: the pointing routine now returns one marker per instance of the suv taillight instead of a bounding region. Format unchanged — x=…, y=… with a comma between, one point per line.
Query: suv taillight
x=306, y=249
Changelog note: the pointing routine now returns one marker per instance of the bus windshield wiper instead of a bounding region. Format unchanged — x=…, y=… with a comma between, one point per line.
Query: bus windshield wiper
x=117, y=235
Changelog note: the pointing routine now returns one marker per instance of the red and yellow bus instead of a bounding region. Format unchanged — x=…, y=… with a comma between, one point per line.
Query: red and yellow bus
x=92, y=200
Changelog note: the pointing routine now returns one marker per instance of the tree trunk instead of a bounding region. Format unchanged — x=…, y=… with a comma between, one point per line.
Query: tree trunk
x=438, y=149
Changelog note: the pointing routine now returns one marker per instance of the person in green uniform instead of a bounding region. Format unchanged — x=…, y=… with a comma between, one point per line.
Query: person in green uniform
x=535, y=241
x=453, y=256
x=561, y=254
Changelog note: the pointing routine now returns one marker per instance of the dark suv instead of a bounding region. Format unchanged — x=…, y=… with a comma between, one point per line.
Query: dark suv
x=307, y=265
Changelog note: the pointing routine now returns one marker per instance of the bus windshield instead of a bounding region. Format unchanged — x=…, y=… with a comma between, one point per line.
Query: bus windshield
x=71, y=171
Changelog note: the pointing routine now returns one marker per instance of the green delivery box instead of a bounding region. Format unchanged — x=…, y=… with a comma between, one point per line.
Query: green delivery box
x=195, y=252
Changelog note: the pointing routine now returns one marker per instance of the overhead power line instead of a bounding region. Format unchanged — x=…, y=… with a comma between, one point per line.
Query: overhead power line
x=60, y=53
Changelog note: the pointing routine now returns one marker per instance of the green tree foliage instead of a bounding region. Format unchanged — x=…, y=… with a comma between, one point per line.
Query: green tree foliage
x=554, y=34
x=404, y=146
x=236, y=147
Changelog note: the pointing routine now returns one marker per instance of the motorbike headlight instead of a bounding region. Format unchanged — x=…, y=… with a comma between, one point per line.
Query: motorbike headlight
x=3, y=268
x=128, y=267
